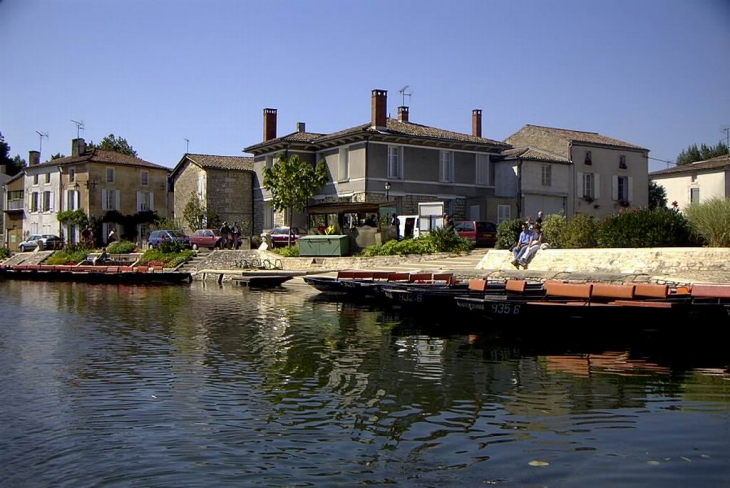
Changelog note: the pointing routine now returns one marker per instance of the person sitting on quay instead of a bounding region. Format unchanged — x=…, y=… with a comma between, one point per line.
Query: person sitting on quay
x=101, y=258
x=523, y=242
x=527, y=254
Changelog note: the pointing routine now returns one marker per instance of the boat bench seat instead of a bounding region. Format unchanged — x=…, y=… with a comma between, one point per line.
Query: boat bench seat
x=560, y=289
x=398, y=276
x=477, y=284
x=710, y=291
x=641, y=303
x=650, y=290
x=607, y=291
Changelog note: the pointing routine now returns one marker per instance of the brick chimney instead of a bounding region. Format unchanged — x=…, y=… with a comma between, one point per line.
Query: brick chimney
x=403, y=114
x=78, y=147
x=34, y=158
x=379, y=109
x=300, y=127
x=476, y=122
x=269, y=124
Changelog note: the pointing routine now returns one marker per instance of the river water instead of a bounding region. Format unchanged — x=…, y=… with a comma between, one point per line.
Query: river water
x=221, y=385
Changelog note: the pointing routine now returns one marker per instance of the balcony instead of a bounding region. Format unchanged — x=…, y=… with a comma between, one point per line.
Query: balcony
x=14, y=206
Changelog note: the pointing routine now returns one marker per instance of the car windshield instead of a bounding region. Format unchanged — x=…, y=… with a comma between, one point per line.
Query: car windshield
x=176, y=233
x=282, y=230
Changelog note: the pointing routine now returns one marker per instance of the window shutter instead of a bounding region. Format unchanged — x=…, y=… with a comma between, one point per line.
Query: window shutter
x=117, y=199
x=614, y=187
x=630, y=193
x=139, y=201
x=152, y=202
x=596, y=186
x=579, y=184
x=103, y=200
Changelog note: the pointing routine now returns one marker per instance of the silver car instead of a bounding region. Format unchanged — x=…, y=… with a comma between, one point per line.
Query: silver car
x=46, y=241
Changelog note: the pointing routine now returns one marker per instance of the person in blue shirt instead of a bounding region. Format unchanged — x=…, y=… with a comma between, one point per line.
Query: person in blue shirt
x=522, y=243
x=527, y=253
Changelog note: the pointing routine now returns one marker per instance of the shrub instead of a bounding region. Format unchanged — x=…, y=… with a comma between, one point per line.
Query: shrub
x=256, y=242
x=72, y=254
x=554, y=227
x=438, y=240
x=579, y=232
x=645, y=228
x=158, y=257
x=710, y=220
x=4, y=253
x=121, y=247
x=286, y=252
x=508, y=233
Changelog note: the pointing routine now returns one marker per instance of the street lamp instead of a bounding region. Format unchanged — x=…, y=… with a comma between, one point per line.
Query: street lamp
x=387, y=190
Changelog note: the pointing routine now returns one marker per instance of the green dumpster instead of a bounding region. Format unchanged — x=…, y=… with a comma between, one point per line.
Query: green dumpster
x=324, y=245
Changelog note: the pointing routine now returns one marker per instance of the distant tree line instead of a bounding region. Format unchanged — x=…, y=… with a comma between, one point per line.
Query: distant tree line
x=693, y=153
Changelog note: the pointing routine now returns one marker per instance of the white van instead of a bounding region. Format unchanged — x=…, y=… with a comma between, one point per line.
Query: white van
x=408, y=227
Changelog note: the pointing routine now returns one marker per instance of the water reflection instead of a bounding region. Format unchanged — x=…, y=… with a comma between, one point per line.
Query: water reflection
x=210, y=384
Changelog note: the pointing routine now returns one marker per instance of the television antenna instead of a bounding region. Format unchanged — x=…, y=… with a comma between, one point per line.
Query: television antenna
x=726, y=129
x=41, y=135
x=405, y=94
x=79, y=126
x=187, y=144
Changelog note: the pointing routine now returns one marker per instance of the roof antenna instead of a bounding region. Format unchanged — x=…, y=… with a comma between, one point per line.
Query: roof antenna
x=403, y=93
x=79, y=126
x=42, y=135
x=187, y=145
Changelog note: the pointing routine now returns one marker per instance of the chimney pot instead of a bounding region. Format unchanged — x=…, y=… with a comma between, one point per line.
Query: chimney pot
x=34, y=158
x=379, y=108
x=300, y=127
x=403, y=114
x=476, y=122
x=269, y=124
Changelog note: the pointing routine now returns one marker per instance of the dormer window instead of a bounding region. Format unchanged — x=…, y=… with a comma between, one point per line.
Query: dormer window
x=589, y=158
x=622, y=162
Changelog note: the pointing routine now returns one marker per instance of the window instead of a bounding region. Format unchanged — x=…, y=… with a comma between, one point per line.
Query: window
x=446, y=163
x=35, y=200
x=587, y=186
x=201, y=188
x=343, y=166
x=35, y=179
x=72, y=200
x=395, y=162
x=270, y=160
x=145, y=201
x=72, y=175
x=268, y=216
x=47, y=201
x=48, y=177
x=547, y=175
x=110, y=199
x=504, y=212
x=482, y=177
x=589, y=158
x=622, y=187
x=694, y=195
x=622, y=162
x=110, y=175
x=144, y=178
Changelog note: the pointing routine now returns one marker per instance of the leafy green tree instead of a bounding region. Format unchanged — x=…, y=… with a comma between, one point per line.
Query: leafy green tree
x=57, y=156
x=657, y=196
x=292, y=182
x=693, y=153
x=195, y=214
x=112, y=143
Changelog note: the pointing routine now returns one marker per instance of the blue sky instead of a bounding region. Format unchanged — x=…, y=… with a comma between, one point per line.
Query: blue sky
x=655, y=73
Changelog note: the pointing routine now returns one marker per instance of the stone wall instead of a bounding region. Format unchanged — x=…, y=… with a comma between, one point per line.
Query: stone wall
x=650, y=261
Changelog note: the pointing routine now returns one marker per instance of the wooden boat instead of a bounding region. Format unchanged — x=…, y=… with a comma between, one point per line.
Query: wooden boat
x=355, y=284
x=617, y=305
x=142, y=275
x=264, y=280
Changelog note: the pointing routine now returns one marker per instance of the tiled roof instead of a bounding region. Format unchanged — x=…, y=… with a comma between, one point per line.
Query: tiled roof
x=396, y=127
x=533, y=154
x=102, y=157
x=582, y=136
x=718, y=163
x=221, y=162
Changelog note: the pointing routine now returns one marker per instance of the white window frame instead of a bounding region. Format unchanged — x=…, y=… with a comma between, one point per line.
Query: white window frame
x=343, y=164
x=72, y=175
x=35, y=200
x=144, y=178
x=446, y=166
x=110, y=175
x=588, y=185
x=694, y=195
x=110, y=200
x=395, y=162
x=547, y=175
x=504, y=212
x=270, y=160
x=47, y=201
x=145, y=201
x=35, y=179
x=268, y=216
x=73, y=199
x=201, y=188
x=48, y=178
x=482, y=169
x=616, y=187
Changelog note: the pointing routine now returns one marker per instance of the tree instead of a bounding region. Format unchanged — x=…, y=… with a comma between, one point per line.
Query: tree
x=195, y=213
x=57, y=156
x=657, y=196
x=13, y=166
x=111, y=143
x=292, y=182
x=693, y=154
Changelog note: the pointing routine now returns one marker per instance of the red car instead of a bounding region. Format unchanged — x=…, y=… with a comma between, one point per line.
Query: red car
x=205, y=238
x=280, y=236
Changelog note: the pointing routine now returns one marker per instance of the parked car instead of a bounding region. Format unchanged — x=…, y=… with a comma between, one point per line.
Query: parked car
x=47, y=241
x=480, y=233
x=206, y=238
x=280, y=235
x=159, y=236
